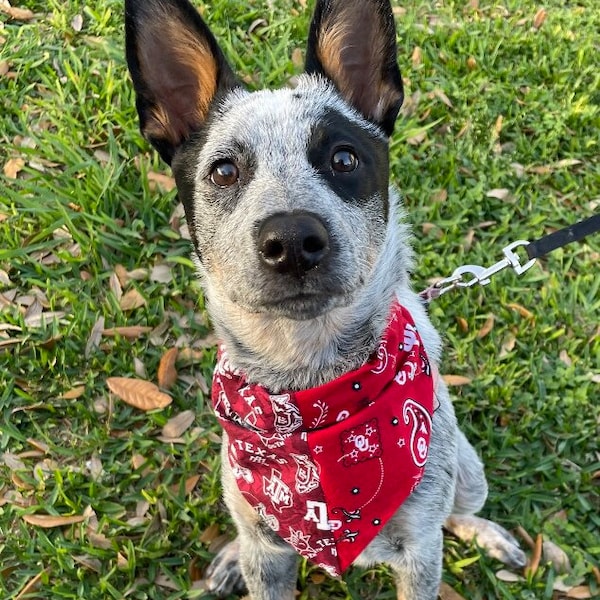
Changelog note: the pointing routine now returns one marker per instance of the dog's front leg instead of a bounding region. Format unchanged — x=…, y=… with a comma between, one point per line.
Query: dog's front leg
x=418, y=569
x=268, y=565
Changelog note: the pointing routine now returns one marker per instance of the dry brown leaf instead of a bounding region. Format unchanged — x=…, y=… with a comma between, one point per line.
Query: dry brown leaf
x=131, y=332
x=77, y=23
x=487, y=327
x=442, y=96
x=4, y=67
x=456, y=380
x=581, y=592
x=417, y=56
x=521, y=310
x=49, y=521
x=498, y=193
x=508, y=344
x=298, y=58
x=19, y=14
x=132, y=300
x=471, y=63
x=161, y=273
x=122, y=562
x=210, y=533
x=508, y=576
x=160, y=180
x=39, y=445
x=95, y=337
x=138, y=393
x=539, y=18
x=33, y=583
x=167, y=373
x=74, y=393
x=93, y=564
x=534, y=559
x=188, y=486
x=565, y=358
x=557, y=556
x=13, y=166
x=178, y=424
x=98, y=540
x=596, y=572
x=462, y=324
x=448, y=593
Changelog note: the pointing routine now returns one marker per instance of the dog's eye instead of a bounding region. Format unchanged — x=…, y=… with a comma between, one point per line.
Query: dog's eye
x=344, y=160
x=224, y=174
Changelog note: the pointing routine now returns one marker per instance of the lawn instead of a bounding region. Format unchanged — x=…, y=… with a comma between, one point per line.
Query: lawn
x=499, y=140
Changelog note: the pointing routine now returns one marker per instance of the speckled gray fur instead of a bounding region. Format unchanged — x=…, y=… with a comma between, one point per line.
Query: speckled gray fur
x=285, y=343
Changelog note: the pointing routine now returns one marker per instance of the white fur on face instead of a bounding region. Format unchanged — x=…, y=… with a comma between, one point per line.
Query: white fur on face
x=372, y=249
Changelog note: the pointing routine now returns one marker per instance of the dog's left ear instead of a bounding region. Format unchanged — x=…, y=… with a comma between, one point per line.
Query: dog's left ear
x=353, y=43
x=177, y=68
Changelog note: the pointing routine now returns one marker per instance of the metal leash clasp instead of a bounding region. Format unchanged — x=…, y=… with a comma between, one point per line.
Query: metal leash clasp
x=482, y=275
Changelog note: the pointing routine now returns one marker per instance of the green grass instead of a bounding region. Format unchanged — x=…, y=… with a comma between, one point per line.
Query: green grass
x=524, y=117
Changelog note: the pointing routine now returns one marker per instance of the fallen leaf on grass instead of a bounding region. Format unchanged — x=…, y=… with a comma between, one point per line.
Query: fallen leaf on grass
x=13, y=167
x=138, y=393
x=508, y=576
x=19, y=14
x=178, y=424
x=539, y=18
x=188, y=486
x=131, y=332
x=210, y=533
x=50, y=521
x=77, y=23
x=581, y=592
x=557, y=556
x=31, y=585
x=527, y=314
x=499, y=194
x=132, y=300
x=93, y=564
x=487, y=327
x=456, y=380
x=4, y=67
x=167, y=373
x=160, y=180
x=508, y=344
x=448, y=593
x=74, y=393
x=95, y=337
x=534, y=560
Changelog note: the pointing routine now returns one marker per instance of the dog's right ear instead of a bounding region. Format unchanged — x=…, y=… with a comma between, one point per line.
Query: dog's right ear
x=177, y=68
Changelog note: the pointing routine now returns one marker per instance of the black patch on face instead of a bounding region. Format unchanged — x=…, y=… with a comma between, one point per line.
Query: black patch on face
x=371, y=176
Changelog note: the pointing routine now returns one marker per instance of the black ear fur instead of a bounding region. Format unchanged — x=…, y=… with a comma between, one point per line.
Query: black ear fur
x=353, y=44
x=177, y=68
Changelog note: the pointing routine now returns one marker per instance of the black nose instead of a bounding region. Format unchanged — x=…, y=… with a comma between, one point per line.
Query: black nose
x=293, y=243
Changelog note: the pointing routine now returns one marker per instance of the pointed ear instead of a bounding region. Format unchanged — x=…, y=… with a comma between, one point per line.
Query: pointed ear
x=353, y=43
x=177, y=69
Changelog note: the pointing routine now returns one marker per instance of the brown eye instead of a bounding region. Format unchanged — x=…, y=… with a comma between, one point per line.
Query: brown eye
x=344, y=160
x=224, y=174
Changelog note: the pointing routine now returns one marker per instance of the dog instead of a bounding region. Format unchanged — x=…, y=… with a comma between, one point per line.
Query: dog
x=340, y=441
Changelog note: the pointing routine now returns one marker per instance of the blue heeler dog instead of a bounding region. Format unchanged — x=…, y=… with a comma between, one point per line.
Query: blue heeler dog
x=305, y=262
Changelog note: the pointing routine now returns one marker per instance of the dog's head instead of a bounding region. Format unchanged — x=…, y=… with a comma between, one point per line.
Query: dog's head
x=285, y=191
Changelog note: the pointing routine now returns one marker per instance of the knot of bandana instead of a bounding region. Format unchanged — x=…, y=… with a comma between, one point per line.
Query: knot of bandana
x=327, y=467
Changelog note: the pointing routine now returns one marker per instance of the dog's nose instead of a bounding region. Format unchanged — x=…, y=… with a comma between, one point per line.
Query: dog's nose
x=293, y=243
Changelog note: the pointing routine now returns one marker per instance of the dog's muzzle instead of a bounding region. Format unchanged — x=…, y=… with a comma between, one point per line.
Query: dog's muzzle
x=292, y=243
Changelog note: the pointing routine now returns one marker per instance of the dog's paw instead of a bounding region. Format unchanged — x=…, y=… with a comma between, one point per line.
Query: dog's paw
x=494, y=539
x=223, y=576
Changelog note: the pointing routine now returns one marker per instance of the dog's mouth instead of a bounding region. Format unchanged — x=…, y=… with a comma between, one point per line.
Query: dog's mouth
x=302, y=306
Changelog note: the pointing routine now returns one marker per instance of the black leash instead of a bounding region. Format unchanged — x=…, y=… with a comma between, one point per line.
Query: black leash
x=562, y=237
x=470, y=275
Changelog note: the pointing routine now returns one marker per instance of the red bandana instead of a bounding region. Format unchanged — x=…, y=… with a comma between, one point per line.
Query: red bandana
x=327, y=467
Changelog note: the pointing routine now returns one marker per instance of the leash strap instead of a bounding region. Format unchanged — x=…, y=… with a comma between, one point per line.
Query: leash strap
x=470, y=275
x=562, y=237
